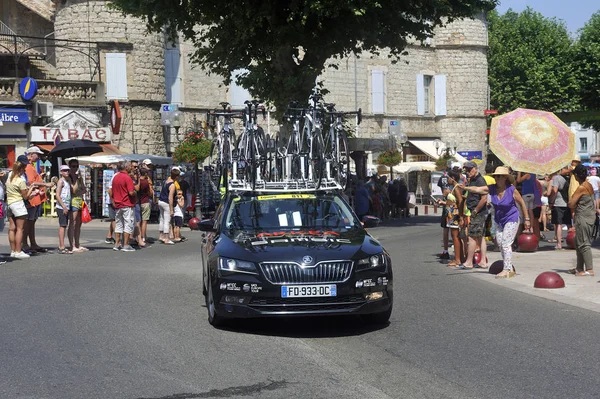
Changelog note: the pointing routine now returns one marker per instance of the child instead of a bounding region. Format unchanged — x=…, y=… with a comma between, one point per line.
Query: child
x=454, y=224
x=178, y=216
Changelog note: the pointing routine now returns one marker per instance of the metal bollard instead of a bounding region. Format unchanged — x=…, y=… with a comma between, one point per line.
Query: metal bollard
x=416, y=211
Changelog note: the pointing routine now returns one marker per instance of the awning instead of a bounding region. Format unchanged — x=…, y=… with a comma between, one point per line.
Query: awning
x=407, y=167
x=428, y=148
x=107, y=149
x=106, y=159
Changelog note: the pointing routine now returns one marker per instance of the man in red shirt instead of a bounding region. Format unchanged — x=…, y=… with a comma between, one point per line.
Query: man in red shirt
x=35, y=202
x=123, y=199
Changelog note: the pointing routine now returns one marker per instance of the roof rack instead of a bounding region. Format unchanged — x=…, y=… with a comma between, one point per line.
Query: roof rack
x=284, y=186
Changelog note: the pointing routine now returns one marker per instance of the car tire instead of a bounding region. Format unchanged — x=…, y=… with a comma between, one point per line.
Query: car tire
x=204, y=279
x=378, y=318
x=213, y=318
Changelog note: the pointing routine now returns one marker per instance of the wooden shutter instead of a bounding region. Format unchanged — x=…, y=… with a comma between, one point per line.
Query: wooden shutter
x=116, y=76
x=440, y=94
x=420, y=95
x=237, y=93
x=377, y=92
x=173, y=76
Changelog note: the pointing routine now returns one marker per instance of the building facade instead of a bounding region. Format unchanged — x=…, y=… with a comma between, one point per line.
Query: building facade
x=86, y=55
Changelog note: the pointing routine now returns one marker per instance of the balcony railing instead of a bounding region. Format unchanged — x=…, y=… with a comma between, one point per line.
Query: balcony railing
x=57, y=91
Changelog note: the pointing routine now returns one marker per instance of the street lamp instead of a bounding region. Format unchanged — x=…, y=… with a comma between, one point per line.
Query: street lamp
x=176, y=123
x=449, y=147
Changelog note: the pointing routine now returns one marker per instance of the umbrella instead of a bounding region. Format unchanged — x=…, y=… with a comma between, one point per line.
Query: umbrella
x=532, y=141
x=75, y=148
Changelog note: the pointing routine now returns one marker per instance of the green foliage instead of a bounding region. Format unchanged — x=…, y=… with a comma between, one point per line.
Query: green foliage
x=389, y=158
x=588, y=62
x=530, y=63
x=284, y=44
x=442, y=162
x=194, y=148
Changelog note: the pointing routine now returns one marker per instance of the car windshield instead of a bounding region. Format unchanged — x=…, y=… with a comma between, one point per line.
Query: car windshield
x=289, y=212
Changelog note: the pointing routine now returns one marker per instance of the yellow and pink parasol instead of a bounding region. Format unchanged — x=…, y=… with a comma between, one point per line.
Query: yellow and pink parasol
x=532, y=141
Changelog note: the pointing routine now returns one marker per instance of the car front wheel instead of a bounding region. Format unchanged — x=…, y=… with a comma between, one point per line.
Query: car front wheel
x=213, y=318
x=378, y=318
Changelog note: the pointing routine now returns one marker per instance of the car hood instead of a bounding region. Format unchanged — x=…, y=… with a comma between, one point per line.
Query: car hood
x=351, y=245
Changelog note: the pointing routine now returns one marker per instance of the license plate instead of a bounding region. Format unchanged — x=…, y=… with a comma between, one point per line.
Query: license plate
x=295, y=291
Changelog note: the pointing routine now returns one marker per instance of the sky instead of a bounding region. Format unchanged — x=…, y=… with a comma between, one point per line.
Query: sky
x=575, y=13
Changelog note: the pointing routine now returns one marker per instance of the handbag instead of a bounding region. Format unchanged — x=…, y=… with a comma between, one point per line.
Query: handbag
x=596, y=227
x=86, y=217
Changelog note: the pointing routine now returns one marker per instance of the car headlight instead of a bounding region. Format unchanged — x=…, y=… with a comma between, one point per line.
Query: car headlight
x=228, y=265
x=372, y=262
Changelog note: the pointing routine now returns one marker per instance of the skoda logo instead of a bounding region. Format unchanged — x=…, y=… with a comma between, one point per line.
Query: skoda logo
x=307, y=260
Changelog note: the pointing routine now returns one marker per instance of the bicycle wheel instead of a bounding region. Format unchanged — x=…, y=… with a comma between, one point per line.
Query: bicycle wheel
x=339, y=165
x=316, y=157
x=252, y=164
x=215, y=162
x=226, y=165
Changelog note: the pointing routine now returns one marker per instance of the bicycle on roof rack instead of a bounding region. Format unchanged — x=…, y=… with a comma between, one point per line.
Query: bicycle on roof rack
x=221, y=149
x=335, y=153
x=250, y=146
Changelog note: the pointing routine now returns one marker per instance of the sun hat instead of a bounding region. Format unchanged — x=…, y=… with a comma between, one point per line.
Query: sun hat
x=34, y=149
x=501, y=170
x=64, y=167
x=147, y=161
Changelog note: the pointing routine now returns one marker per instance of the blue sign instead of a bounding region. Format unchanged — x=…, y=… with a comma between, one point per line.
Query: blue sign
x=14, y=115
x=393, y=123
x=168, y=107
x=471, y=155
x=28, y=88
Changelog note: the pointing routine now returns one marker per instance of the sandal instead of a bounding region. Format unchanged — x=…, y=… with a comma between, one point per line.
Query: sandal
x=585, y=273
x=552, y=240
x=40, y=249
x=64, y=251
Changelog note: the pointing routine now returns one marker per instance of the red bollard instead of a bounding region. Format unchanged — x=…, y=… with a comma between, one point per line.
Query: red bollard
x=427, y=209
x=435, y=208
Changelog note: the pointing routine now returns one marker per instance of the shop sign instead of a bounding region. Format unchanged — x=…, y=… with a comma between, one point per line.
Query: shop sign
x=14, y=115
x=28, y=88
x=72, y=126
x=471, y=155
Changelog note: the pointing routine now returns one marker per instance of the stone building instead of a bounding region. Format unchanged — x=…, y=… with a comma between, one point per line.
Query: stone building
x=84, y=55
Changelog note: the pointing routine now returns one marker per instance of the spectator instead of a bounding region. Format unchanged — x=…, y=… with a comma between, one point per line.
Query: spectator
x=63, y=210
x=78, y=190
x=178, y=216
x=582, y=204
x=529, y=192
x=505, y=198
x=393, y=196
x=166, y=204
x=557, y=199
x=402, y=200
x=123, y=200
x=475, y=206
x=134, y=173
x=16, y=194
x=146, y=194
x=594, y=180
x=111, y=212
x=455, y=222
x=35, y=202
x=362, y=200
x=445, y=188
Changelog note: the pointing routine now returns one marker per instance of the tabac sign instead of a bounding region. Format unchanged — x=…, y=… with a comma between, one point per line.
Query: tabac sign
x=72, y=126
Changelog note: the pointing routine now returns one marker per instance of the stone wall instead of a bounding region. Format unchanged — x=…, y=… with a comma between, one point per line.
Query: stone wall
x=25, y=22
x=93, y=21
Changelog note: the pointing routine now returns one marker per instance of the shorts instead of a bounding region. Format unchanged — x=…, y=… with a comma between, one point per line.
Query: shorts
x=477, y=225
x=561, y=215
x=444, y=222
x=76, y=203
x=111, y=212
x=138, y=213
x=177, y=221
x=544, y=201
x=597, y=195
x=146, y=211
x=33, y=212
x=63, y=220
x=17, y=209
x=125, y=220
x=537, y=212
x=528, y=198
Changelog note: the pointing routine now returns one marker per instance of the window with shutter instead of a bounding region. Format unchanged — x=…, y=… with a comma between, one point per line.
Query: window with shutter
x=173, y=77
x=237, y=93
x=420, y=95
x=116, y=76
x=440, y=94
x=377, y=92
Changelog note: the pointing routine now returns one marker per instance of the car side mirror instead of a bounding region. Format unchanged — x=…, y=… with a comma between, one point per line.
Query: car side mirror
x=206, y=225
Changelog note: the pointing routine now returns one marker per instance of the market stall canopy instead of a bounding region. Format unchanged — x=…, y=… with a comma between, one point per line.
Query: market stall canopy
x=407, y=167
x=105, y=159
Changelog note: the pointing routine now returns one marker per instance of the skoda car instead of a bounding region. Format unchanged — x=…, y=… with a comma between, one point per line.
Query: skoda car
x=300, y=254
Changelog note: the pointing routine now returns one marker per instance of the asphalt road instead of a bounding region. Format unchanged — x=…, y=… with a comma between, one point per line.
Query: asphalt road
x=109, y=324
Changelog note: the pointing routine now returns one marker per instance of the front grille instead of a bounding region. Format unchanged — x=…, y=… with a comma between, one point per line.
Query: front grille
x=316, y=304
x=292, y=273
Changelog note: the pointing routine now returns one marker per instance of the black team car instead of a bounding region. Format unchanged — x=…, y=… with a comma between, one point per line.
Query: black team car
x=292, y=254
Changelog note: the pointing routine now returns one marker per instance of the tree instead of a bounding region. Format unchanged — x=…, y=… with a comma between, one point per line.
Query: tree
x=588, y=63
x=530, y=63
x=283, y=45
x=390, y=159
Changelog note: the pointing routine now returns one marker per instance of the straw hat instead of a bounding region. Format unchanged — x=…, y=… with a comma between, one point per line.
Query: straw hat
x=503, y=171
